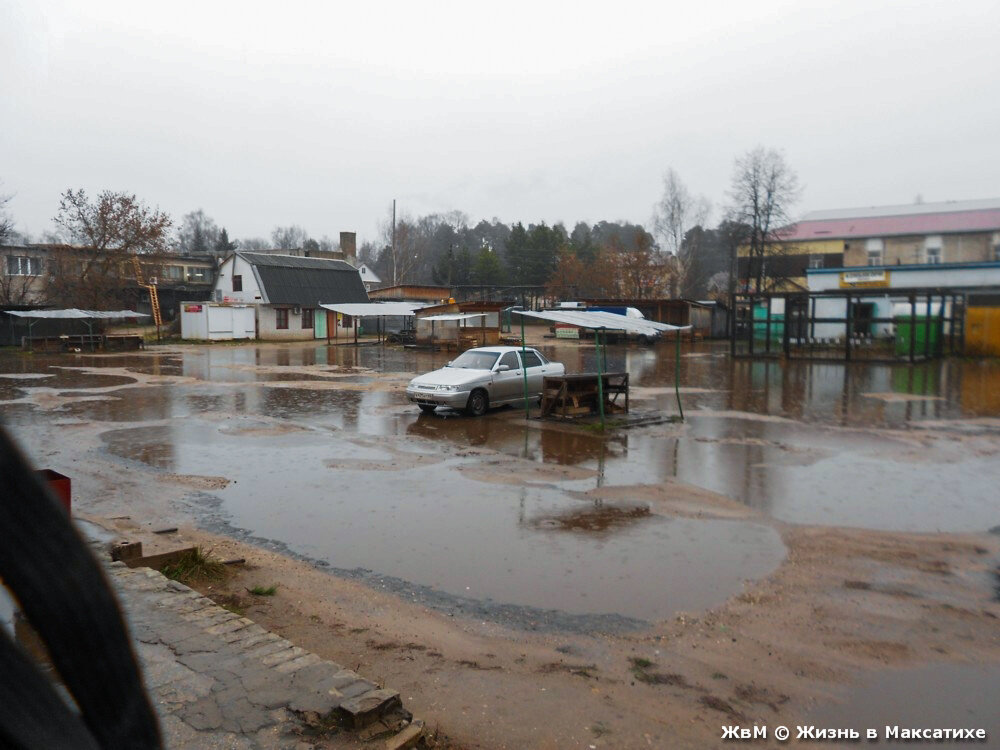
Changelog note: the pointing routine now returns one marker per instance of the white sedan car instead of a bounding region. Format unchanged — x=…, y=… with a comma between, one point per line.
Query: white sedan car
x=480, y=378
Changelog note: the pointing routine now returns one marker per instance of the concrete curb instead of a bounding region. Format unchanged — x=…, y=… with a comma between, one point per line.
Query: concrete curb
x=218, y=679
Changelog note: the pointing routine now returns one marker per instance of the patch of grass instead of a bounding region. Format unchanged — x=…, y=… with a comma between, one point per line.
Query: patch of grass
x=382, y=645
x=754, y=694
x=640, y=670
x=263, y=590
x=195, y=565
x=599, y=729
x=719, y=676
x=476, y=665
x=232, y=603
x=718, y=704
x=659, y=678
x=858, y=585
x=609, y=424
x=585, y=671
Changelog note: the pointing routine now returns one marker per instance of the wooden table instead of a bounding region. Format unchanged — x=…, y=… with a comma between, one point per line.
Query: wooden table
x=578, y=394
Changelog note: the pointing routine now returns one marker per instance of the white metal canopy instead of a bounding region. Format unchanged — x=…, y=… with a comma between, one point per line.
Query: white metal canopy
x=73, y=313
x=453, y=316
x=374, y=309
x=598, y=319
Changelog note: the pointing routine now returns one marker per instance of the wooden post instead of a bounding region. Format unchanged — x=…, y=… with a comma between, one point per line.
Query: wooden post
x=677, y=374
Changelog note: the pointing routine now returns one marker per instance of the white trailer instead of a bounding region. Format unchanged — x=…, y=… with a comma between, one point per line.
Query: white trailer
x=213, y=321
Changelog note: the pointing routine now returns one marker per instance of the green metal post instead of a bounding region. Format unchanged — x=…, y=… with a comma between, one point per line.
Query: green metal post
x=600, y=374
x=524, y=369
x=677, y=374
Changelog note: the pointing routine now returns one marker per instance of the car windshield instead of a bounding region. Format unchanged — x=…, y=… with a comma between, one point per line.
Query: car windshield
x=473, y=360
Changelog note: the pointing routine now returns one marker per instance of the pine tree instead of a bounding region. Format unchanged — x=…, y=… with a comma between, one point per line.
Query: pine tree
x=222, y=245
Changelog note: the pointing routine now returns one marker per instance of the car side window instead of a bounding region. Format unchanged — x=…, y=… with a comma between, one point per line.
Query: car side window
x=510, y=359
x=531, y=359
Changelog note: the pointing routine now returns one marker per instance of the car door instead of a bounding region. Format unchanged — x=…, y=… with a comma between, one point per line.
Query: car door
x=508, y=384
x=536, y=371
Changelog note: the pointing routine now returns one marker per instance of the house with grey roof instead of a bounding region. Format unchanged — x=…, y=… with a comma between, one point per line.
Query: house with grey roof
x=286, y=292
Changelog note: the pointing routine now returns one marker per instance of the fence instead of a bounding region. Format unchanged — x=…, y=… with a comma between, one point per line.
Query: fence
x=899, y=325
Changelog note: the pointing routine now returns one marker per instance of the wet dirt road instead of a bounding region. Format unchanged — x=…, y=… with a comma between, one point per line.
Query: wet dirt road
x=313, y=452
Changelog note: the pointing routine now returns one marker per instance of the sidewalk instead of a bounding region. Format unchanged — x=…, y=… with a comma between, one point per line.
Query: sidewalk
x=218, y=680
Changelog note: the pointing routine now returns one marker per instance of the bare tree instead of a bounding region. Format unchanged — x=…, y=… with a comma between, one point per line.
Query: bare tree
x=254, y=244
x=763, y=192
x=6, y=223
x=405, y=248
x=289, y=238
x=113, y=222
x=673, y=218
x=106, y=233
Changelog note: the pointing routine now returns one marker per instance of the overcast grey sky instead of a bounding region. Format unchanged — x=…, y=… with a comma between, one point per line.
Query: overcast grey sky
x=319, y=114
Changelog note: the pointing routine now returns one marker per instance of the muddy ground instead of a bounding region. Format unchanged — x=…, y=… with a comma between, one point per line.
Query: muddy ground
x=808, y=613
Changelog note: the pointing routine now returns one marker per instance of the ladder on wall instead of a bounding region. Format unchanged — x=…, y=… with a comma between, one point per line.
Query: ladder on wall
x=154, y=297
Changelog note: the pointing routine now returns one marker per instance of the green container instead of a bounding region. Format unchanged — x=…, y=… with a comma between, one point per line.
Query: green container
x=760, y=324
x=919, y=328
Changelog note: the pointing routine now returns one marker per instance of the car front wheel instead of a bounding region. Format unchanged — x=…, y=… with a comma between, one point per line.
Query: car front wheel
x=478, y=402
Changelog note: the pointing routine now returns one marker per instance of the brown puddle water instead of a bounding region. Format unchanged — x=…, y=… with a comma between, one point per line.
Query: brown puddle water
x=534, y=546
x=861, y=445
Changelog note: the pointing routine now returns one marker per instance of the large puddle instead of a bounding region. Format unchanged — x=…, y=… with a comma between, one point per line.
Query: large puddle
x=328, y=459
x=415, y=517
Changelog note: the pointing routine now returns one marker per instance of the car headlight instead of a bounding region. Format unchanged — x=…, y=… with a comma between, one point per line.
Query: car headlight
x=448, y=388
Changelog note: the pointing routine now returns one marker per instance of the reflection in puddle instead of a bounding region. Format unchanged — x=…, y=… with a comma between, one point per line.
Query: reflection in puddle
x=596, y=519
x=798, y=441
x=431, y=526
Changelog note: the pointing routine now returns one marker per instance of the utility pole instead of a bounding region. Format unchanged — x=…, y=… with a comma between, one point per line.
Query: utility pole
x=394, y=279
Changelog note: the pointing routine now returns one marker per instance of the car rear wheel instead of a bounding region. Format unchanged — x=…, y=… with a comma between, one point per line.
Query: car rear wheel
x=477, y=404
x=427, y=408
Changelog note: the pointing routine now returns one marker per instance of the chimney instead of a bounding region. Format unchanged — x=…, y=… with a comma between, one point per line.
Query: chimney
x=349, y=244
